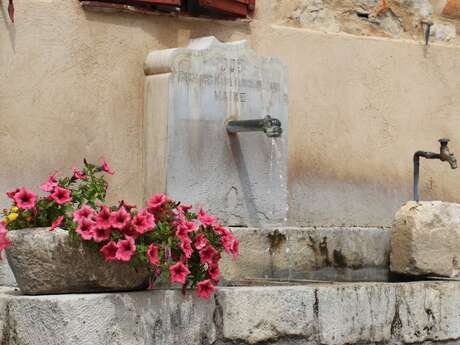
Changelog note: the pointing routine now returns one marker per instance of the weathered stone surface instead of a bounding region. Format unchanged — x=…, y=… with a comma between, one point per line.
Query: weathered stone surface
x=443, y=31
x=50, y=262
x=6, y=276
x=141, y=318
x=340, y=253
x=337, y=314
x=397, y=18
x=448, y=8
x=190, y=93
x=425, y=239
x=333, y=314
x=315, y=14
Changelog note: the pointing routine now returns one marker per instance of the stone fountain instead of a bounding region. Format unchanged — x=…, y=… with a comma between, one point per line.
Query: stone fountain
x=291, y=285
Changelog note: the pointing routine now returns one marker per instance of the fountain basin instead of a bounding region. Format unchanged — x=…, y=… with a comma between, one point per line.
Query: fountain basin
x=294, y=253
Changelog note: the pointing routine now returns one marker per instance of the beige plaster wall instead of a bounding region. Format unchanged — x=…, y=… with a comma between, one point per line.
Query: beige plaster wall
x=71, y=85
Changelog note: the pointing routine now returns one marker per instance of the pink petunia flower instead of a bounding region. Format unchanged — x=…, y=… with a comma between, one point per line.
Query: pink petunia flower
x=150, y=217
x=4, y=241
x=129, y=231
x=213, y=271
x=205, y=289
x=105, y=166
x=128, y=207
x=201, y=241
x=12, y=193
x=188, y=226
x=103, y=219
x=152, y=254
x=187, y=249
x=178, y=272
x=110, y=251
x=56, y=223
x=206, y=219
x=50, y=184
x=235, y=248
x=120, y=218
x=78, y=174
x=142, y=222
x=84, y=212
x=126, y=249
x=156, y=201
x=182, y=233
x=219, y=229
x=61, y=195
x=25, y=199
x=100, y=234
x=230, y=244
x=85, y=228
x=184, y=208
x=208, y=255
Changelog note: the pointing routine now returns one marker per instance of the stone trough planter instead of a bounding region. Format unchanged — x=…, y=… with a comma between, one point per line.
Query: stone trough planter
x=45, y=262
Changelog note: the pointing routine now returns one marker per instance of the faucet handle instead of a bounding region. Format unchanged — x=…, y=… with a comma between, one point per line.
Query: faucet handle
x=444, y=141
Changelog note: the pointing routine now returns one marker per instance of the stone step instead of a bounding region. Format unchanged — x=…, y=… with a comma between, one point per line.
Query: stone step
x=333, y=313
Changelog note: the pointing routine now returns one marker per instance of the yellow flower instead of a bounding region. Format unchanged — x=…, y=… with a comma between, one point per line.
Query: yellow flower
x=14, y=209
x=12, y=216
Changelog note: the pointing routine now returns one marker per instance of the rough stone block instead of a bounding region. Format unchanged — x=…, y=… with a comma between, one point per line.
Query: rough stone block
x=425, y=239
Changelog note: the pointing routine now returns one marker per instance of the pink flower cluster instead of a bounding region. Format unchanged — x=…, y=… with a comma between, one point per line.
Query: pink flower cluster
x=172, y=240
x=99, y=226
x=168, y=236
x=4, y=242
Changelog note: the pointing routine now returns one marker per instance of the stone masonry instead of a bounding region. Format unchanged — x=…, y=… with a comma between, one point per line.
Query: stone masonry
x=333, y=314
x=386, y=18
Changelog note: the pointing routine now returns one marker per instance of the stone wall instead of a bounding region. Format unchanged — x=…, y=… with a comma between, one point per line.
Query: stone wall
x=386, y=18
x=359, y=107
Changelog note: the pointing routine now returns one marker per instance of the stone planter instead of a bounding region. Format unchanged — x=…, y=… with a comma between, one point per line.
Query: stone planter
x=45, y=262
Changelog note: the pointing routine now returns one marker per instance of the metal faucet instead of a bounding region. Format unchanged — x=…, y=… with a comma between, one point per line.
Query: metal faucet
x=269, y=125
x=444, y=155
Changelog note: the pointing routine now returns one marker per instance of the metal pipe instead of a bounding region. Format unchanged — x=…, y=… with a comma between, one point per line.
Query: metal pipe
x=444, y=155
x=270, y=126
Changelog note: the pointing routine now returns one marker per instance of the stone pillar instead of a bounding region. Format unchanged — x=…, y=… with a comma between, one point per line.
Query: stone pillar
x=190, y=94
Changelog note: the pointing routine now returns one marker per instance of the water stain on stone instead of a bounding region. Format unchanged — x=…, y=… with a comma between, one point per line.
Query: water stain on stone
x=339, y=259
x=324, y=251
x=276, y=239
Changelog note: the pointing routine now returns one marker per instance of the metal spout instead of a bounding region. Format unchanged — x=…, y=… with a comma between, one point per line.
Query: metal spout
x=444, y=155
x=269, y=125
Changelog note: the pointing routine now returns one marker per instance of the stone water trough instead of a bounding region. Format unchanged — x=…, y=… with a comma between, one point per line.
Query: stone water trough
x=290, y=286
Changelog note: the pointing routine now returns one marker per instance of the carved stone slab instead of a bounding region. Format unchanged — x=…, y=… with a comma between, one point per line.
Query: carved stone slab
x=190, y=94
